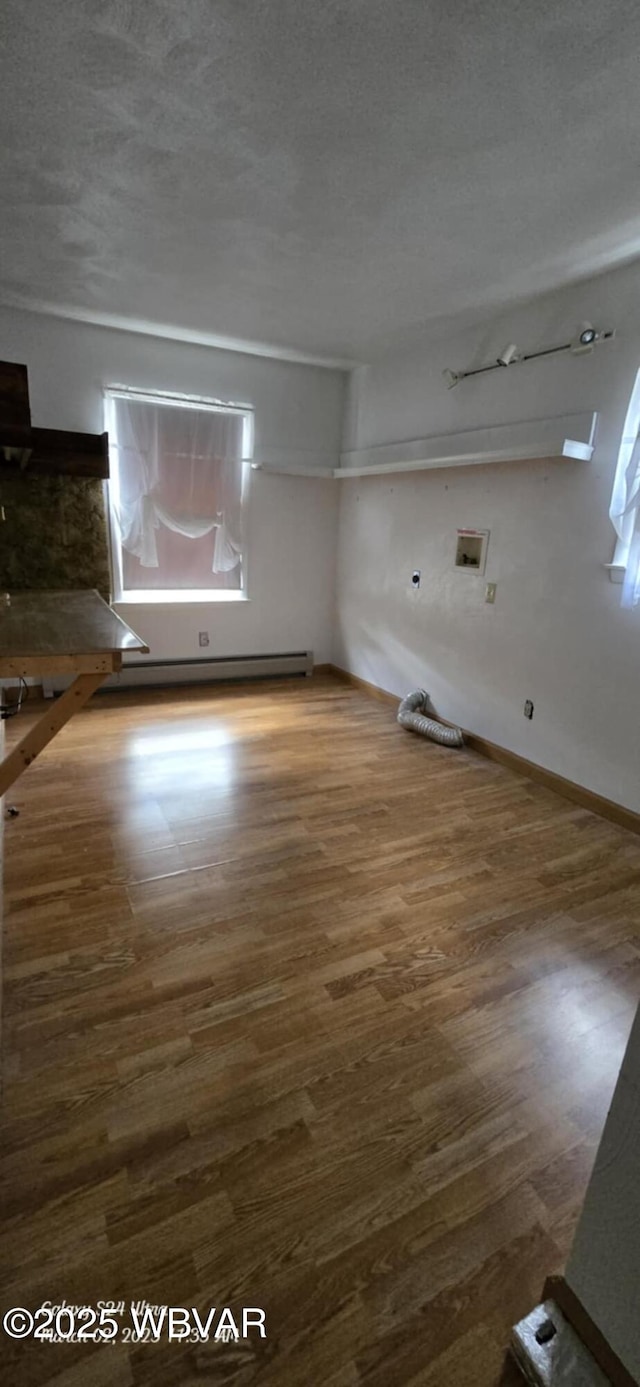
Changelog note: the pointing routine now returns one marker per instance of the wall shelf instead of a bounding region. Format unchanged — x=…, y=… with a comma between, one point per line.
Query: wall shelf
x=616, y=572
x=276, y=469
x=294, y=462
x=569, y=436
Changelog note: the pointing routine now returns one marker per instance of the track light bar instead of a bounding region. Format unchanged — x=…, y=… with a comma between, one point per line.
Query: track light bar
x=587, y=337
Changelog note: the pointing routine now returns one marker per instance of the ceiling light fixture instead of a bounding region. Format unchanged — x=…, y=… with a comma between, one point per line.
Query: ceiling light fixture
x=586, y=339
x=508, y=355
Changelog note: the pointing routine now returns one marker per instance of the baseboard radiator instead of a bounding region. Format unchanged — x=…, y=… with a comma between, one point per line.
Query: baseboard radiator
x=166, y=673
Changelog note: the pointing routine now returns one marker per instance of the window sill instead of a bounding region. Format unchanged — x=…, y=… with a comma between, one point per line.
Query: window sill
x=167, y=598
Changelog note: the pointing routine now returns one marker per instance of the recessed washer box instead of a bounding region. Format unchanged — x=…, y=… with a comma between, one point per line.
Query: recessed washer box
x=471, y=550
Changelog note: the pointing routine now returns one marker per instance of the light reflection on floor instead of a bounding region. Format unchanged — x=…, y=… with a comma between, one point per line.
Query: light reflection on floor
x=185, y=740
x=175, y=758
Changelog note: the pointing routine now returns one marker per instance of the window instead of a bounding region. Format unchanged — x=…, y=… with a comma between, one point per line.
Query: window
x=625, y=502
x=178, y=473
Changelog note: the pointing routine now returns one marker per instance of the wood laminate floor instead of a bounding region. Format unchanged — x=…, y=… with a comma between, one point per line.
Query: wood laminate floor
x=302, y=1012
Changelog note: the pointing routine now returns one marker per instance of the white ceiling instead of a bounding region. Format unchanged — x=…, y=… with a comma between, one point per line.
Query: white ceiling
x=319, y=175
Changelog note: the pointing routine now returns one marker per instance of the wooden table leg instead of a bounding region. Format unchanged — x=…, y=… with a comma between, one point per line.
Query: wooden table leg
x=38, y=736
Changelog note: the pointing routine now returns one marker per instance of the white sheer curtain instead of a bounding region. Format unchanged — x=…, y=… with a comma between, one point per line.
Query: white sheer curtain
x=625, y=501
x=179, y=469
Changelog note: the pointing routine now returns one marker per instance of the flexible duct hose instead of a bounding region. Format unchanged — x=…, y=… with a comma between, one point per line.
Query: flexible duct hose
x=409, y=717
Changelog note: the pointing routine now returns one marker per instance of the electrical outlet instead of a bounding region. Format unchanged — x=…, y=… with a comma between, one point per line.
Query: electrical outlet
x=528, y=709
x=490, y=592
x=203, y=638
x=415, y=578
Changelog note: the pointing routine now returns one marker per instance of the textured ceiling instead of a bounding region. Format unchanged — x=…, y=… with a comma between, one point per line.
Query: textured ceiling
x=322, y=175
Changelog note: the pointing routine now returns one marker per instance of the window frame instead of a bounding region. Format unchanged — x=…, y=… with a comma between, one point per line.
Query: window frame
x=170, y=596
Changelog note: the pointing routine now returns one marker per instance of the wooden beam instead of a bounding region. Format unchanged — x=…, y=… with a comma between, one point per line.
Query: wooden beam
x=56, y=452
x=28, y=666
x=49, y=452
x=42, y=732
x=14, y=398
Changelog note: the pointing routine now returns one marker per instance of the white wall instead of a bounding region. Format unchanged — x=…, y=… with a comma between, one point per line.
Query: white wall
x=291, y=522
x=557, y=633
x=604, y=1266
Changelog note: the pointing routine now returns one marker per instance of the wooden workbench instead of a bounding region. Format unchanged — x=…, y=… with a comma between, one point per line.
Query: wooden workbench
x=59, y=633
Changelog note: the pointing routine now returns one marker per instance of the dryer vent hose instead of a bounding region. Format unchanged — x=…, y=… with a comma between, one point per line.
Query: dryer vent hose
x=411, y=714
